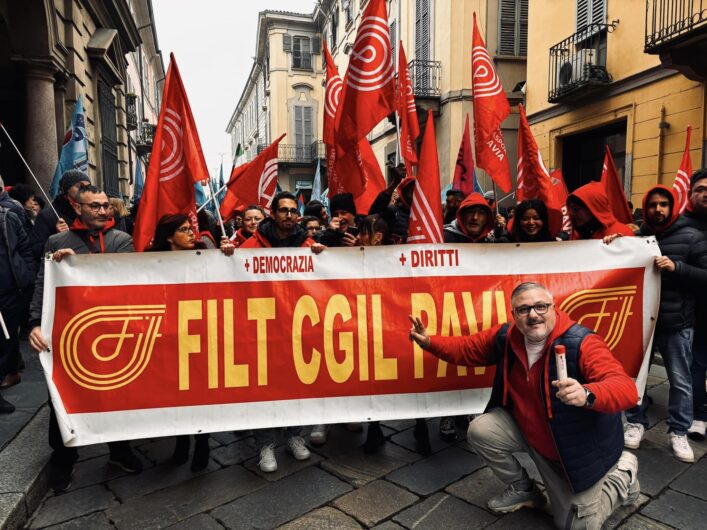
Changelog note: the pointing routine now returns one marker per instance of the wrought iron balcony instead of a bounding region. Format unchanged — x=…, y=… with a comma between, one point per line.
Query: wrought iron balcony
x=145, y=138
x=298, y=154
x=677, y=31
x=426, y=77
x=131, y=111
x=578, y=64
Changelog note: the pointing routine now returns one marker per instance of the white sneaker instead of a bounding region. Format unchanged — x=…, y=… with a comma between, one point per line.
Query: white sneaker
x=318, y=434
x=296, y=447
x=681, y=448
x=696, y=430
x=267, y=463
x=633, y=434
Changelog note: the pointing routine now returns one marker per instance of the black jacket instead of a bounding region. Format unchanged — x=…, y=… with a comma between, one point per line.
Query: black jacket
x=45, y=224
x=17, y=267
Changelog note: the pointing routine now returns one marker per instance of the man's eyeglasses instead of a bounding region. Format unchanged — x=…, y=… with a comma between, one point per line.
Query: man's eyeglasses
x=185, y=229
x=294, y=212
x=540, y=308
x=96, y=206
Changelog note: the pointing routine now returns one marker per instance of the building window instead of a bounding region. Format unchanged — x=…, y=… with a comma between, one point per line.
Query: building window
x=334, y=28
x=422, y=30
x=513, y=28
x=349, y=11
x=303, y=131
x=301, y=53
x=109, y=137
x=590, y=12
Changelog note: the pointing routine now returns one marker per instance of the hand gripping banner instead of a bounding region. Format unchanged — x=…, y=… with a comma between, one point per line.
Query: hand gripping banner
x=158, y=344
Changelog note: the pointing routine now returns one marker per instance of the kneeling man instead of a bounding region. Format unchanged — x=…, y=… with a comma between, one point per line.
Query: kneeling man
x=570, y=428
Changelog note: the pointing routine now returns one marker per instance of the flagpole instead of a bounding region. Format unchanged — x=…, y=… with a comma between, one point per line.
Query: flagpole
x=210, y=198
x=49, y=201
x=396, y=58
x=217, y=208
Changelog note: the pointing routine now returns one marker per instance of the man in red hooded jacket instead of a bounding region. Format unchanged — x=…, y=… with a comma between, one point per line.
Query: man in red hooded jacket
x=571, y=428
x=591, y=214
x=474, y=223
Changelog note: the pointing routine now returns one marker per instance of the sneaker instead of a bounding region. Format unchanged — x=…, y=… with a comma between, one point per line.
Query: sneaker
x=60, y=477
x=681, y=448
x=628, y=463
x=633, y=434
x=296, y=447
x=448, y=429
x=515, y=498
x=267, y=463
x=5, y=406
x=318, y=434
x=125, y=459
x=697, y=430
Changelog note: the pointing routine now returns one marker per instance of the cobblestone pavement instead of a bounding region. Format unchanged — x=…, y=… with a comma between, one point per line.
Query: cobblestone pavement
x=340, y=487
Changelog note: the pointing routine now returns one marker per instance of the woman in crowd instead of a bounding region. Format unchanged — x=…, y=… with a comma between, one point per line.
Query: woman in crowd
x=120, y=213
x=531, y=223
x=252, y=216
x=174, y=232
x=311, y=224
x=26, y=196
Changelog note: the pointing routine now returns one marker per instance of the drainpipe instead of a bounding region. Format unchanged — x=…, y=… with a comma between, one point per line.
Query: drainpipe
x=662, y=126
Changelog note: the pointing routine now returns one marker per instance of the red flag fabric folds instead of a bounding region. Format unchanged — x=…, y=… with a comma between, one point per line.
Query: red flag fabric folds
x=464, y=169
x=490, y=109
x=407, y=111
x=682, y=178
x=426, y=212
x=533, y=177
x=176, y=162
x=615, y=190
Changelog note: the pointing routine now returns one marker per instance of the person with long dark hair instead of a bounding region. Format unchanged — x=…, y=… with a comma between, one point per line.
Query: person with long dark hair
x=531, y=223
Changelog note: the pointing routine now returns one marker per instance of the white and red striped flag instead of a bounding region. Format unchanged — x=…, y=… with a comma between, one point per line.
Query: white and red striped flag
x=682, y=179
x=407, y=111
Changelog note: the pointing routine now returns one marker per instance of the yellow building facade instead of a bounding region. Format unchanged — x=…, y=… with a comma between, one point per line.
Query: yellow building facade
x=595, y=79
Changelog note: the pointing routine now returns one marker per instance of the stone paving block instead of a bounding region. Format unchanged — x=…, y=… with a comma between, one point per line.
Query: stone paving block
x=657, y=467
x=13, y=512
x=398, y=425
x=624, y=512
x=94, y=521
x=160, y=450
x=693, y=481
x=406, y=438
x=375, y=501
x=88, y=452
x=94, y=471
x=295, y=495
x=30, y=448
x=11, y=424
x=323, y=519
x=60, y=508
x=477, y=488
x=235, y=453
x=154, y=479
x=444, y=511
x=28, y=396
x=198, y=522
x=228, y=437
x=524, y=519
x=678, y=510
x=359, y=468
x=437, y=471
x=172, y=505
x=388, y=525
x=286, y=464
x=639, y=522
x=341, y=440
x=660, y=437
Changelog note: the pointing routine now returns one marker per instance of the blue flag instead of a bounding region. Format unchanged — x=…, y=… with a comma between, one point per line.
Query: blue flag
x=199, y=194
x=221, y=183
x=477, y=188
x=74, y=153
x=139, y=182
x=317, y=184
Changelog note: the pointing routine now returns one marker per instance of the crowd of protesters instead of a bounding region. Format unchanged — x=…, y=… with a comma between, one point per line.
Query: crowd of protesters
x=88, y=222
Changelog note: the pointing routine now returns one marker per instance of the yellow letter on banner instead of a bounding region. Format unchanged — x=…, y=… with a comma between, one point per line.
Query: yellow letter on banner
x=338, y=305
x=234, y=374
x=188, y=344
x=262, y=310
x=384, y=369
x=307, y=372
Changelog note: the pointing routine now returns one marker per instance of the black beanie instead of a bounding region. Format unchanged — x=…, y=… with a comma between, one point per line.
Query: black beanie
x=343, y=201
x=71, y=177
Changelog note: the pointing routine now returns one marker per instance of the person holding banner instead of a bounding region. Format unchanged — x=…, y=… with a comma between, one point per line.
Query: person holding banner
x=570, y=425
x=252, y=216
x=474, y=223
x=531, y=223
x=342, y=230
x=91, y=232
x=591, y=213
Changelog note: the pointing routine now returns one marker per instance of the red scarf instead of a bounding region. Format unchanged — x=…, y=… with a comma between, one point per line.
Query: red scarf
x=93, y=236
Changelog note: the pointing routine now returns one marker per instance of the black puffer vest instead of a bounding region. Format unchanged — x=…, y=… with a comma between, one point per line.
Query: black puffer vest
x=589, y=442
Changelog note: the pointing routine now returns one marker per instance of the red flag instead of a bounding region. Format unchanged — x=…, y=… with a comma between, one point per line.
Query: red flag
x=682, y=178
x=176, y=162
x=560, y=198
x=407, y=111
x=464, y=170
x=357, y=170
x=369, y=85
x=426, y=212
x=533, y=177
x=614, y=190
x=490, y=109
x=254, y=182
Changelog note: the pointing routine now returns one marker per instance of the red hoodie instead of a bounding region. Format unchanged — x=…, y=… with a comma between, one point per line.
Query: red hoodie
x=593, y=196
x=674, y=212
x=606, y=378
x=476, y=199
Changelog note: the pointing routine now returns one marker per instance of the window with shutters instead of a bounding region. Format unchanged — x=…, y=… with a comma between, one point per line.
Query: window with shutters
x=590, y=12
x=303, y=132
x=513, y=28
x=301, y=53
x=422, y=30
x=394, y=38
x=334, y=28
x=109, y=136
x=349, y=11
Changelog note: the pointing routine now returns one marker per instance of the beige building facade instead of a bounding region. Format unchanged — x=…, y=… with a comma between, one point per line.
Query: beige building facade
x=605, y=72
x=52, y=52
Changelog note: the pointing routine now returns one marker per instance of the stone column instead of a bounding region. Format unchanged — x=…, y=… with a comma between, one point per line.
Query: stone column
x=59, y=110
x=40, y=124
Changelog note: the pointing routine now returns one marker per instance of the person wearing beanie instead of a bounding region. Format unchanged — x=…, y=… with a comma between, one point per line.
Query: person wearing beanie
x=342, y=230
x=47, y=223
x=394, y=206
x=317, y=209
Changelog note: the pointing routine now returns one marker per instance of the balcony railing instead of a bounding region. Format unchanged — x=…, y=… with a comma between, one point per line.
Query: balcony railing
x=578, y=63
x=299, y=154
x=131, y=111
x=426, y=77
x=670, y=21
x=145, y=138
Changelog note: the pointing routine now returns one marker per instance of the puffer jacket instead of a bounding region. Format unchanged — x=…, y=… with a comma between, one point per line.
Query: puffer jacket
x=17, y=267
x=687, y=247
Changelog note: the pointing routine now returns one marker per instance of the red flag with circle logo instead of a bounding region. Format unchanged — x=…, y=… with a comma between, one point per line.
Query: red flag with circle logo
x=490, y=109
x=176, y=163
x=682, y=178
x=464, y=168
x=369, y=84
x=254, y=182
x=407, y=111
x=615, y=190
x=426, y=211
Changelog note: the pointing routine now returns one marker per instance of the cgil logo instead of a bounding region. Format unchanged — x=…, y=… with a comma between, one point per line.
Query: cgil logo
x=108, y=347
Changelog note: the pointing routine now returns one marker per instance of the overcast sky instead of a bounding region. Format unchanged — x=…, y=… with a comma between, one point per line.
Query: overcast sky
x=214, y=44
